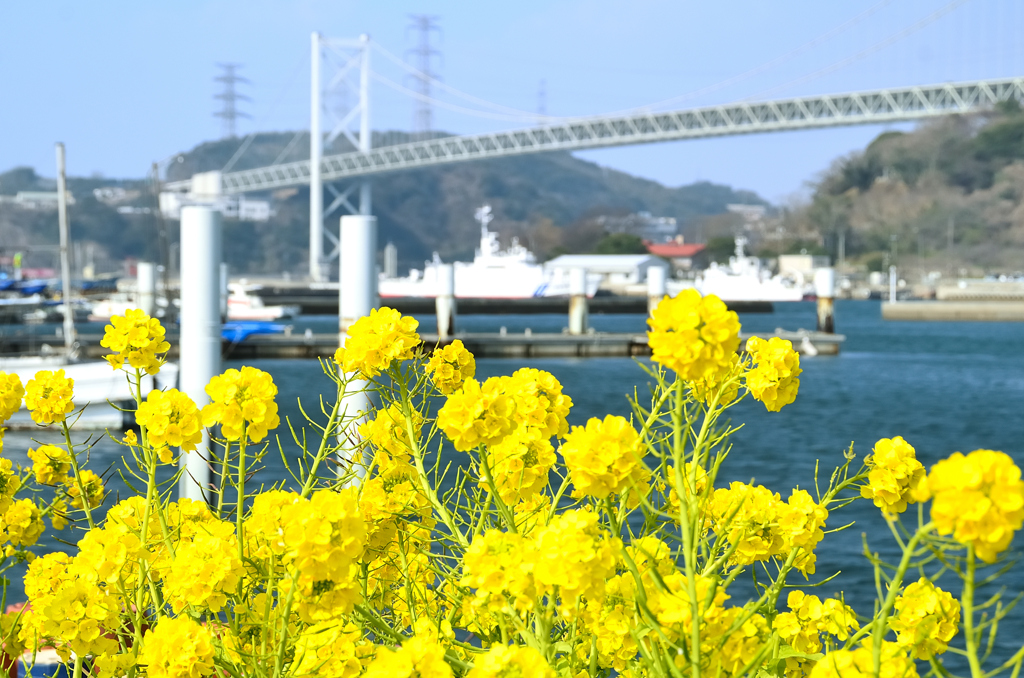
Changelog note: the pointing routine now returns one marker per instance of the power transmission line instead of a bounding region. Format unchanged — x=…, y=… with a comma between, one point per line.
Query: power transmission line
x=230, y=96
x=423, y=53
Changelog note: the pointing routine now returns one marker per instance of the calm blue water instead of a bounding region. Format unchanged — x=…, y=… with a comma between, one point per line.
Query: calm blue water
x=943, y=386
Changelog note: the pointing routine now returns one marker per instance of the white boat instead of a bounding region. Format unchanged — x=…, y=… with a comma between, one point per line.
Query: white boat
x=242, y=305
x=742, y=279
x=96, y=383
x=494, y=273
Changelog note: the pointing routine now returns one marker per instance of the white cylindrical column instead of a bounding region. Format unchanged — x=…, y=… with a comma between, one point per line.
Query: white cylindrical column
x=357, y=280
x=200, y=328
x=445, y=301
x=825, y=290
x=145, y=287
x=655, y=287
x=357, y=296
x=577, y=301
x=892, y=284
x=224, y=277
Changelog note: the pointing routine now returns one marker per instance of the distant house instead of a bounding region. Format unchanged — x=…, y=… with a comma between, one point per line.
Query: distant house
x=615, y=270
x=684, y=257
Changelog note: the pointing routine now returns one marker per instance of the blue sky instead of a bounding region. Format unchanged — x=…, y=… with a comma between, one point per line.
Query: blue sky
x=124, y=84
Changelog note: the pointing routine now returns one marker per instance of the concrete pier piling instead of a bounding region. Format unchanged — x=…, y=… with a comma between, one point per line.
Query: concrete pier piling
x=199, y=341
x=655, y=287
x=577, y=301
x=445, y=303
x=825, y=289
x=145, y=287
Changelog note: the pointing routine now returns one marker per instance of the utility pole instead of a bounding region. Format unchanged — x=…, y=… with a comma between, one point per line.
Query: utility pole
x=230, y=96
x=423, y=54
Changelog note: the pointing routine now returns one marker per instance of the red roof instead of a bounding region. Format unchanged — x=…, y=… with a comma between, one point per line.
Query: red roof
x=672, y=250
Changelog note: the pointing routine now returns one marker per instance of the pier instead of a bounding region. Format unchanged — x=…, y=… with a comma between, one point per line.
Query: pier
x=323, y=300
x=947, y=311
x=310, y=345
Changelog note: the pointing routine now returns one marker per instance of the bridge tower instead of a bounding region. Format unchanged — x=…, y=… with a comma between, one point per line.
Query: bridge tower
x=350, y=60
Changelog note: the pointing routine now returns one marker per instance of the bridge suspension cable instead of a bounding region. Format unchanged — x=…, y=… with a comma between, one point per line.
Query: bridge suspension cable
x=872, y=49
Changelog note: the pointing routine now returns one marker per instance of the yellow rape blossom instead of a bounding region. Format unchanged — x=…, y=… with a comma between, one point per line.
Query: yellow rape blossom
x=418, y=657
x=10, y=644
x=177, y=647
x=50, y=464
x=75, y=612
x=206, y=568
x=725, y=384
x=9, y=484
x=11, y=393
x=575, y=555
x=497, y=566
x=539, y=404
x=604, y=457
x=450, y=366
x=477, y=414
x=519, y=465
x=859, y=663
x=136, y=339
x=49, y=395
x=893, y=476
x=926, y=619
x=93, y=486
x=171, y=419
x=376, y=340
x=503, y=661
x=22, y=523
x=388, y=432
x=774, y=377
x=328, y=649
x=242, y=403
x=800, y=522
x=978, y=498
x=809, y=619
x=693, y=335
x=747, y=516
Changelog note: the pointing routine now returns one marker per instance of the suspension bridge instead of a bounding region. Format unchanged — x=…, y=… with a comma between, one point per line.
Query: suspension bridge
x=351, y=59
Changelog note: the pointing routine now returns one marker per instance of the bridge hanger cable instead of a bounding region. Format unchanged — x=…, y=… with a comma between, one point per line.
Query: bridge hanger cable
x=872, y=49
x=768, y=65
x=273, y=107
x=531, y=115
x=384, y=80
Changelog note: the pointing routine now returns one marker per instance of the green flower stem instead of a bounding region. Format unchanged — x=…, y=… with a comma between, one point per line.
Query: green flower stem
x=222, y=485
x=421, y=471
x=240, y=501
x=322, y=451
x=78, y=473
x=881, y=621
x=688, y=537
x=967, y=601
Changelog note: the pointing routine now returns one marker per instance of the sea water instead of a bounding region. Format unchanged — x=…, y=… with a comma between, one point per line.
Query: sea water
x=944, y=387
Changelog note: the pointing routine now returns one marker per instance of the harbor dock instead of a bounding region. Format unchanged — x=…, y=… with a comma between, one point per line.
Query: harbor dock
x=324, y=301
x=309, y=345
x=946, y=311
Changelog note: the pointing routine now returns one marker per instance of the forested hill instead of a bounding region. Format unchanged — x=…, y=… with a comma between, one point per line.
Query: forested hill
x=432, y=208
x=946, y=196
x=538, y=197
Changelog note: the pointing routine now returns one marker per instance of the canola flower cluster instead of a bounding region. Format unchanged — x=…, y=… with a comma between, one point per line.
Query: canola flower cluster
x=135, y=339
x=553, y=550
